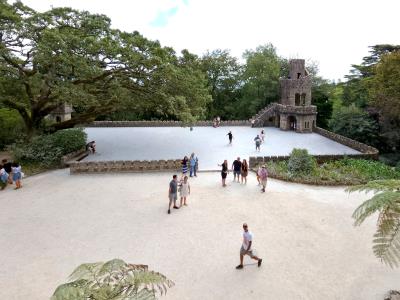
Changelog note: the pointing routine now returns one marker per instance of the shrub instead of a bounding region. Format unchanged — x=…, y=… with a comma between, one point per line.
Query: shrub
x=48, y=149
x=301, y=162
x=12, y=127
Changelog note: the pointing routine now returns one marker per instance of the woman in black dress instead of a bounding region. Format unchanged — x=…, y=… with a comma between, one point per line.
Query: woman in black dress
x=224, y=171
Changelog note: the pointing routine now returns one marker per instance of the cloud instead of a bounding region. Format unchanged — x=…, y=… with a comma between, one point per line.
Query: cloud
x=163, y=17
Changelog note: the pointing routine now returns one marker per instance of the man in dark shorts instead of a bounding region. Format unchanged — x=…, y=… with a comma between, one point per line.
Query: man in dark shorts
x=246, y=247
x=236, y=168
x=230, y=136
x=173, y=192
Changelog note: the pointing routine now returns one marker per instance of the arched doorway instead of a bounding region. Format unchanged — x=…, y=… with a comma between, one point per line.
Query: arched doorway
x=58, y=119
x=292, y=123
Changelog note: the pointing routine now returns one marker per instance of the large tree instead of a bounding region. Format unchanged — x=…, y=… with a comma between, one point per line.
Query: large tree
x=64, y=55
x=260, y=78
x=224, y=81
x=384, y=90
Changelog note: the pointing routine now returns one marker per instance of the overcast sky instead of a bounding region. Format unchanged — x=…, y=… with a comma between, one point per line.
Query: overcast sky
x=336, y=34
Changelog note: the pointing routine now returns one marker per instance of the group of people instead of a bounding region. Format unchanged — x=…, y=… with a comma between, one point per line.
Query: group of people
x=191, y=164
x=10, y=173
x=216, y=122
x=240, y=171
x=259, y=139
x=183, y=187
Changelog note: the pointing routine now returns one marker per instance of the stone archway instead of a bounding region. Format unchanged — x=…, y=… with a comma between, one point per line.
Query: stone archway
x=292, y=123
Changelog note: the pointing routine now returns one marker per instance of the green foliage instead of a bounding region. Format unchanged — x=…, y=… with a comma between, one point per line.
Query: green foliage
x=47, y=150
x=260, y=80
x=224, y=79
x=345, y=172
x=69, y=56
x=321, y=99
x=301, y=162
x=356, y=124
x=113, y=280
x=385, y=202
x=12, y=127
x=384, y=90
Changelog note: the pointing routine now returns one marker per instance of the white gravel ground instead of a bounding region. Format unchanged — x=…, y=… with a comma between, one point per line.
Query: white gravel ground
x=304, y=234
x=211, y=145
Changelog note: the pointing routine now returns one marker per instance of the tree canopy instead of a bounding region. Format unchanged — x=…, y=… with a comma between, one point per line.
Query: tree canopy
x=68, y=56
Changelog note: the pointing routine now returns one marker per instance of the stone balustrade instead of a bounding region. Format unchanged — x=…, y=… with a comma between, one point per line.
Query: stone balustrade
x=363, y=148
x=165, y=123
x=119, y=166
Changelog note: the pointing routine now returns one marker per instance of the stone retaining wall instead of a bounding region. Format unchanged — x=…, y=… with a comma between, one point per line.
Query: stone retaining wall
x=74, y=156
x=124, y=166
x=363, y=148
x=164, y=123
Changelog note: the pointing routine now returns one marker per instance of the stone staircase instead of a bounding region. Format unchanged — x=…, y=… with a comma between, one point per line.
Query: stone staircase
x=264, y=114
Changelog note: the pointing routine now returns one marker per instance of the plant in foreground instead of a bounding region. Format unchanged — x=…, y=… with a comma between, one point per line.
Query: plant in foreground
x=112, y=280
x=386, y=201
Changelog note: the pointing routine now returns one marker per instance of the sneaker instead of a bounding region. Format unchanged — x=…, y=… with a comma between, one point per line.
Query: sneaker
x=259, y=262
x=239, y=267
x=176, y=207
x=169, y=211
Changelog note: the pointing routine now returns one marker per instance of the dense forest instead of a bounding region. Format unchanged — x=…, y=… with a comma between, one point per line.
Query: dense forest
x=69, y=56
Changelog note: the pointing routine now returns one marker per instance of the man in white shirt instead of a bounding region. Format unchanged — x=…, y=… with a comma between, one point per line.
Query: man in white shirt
x=246, y=247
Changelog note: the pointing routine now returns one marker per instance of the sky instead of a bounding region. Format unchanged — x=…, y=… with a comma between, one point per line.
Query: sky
x=335, y=34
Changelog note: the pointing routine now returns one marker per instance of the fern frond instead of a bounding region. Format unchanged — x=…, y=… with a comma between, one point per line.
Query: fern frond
x=86, y=271
x=377, y=186
x=387, y=240
x=378, y=202
x=72, y=290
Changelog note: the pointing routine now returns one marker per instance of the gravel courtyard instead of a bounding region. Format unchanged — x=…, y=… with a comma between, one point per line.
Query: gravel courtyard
x=210, y=144
x=304, y=234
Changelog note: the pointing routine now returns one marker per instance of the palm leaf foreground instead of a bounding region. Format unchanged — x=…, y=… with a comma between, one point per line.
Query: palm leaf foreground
x=386, y=201
x=113, y=280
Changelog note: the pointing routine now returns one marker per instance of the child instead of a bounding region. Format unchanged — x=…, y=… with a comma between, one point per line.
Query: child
x=17, y=175
x=184, y=190
x=3, y=177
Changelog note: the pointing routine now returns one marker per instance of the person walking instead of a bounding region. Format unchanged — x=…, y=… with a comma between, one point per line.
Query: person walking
x=246, y=247
x=184, y=164
x=224, y=172
x=172, y=193
x=192, y=163
x=196, y=167
x=17, y=174
x=244, y=171
x=184, y=191
x=263, y=175
x=262, y=135
x=230, y=136
x=236, y=168
x=257, y=139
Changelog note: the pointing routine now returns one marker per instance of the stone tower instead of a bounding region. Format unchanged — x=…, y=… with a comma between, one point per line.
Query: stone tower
x=294, y=110
x=61, y=113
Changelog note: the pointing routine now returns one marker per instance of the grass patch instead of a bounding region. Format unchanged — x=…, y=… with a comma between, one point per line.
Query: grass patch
x=341, y=172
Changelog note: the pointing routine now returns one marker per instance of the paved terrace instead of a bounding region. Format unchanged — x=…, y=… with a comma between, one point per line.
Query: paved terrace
x=305, y=235
x=210, y=144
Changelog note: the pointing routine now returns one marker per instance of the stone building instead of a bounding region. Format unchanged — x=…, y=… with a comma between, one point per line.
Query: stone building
x=294, y=110
x=61, y=113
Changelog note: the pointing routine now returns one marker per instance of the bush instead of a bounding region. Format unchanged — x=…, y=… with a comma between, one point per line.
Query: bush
x=12, y=127
x=301, y=162
x=48, y=149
